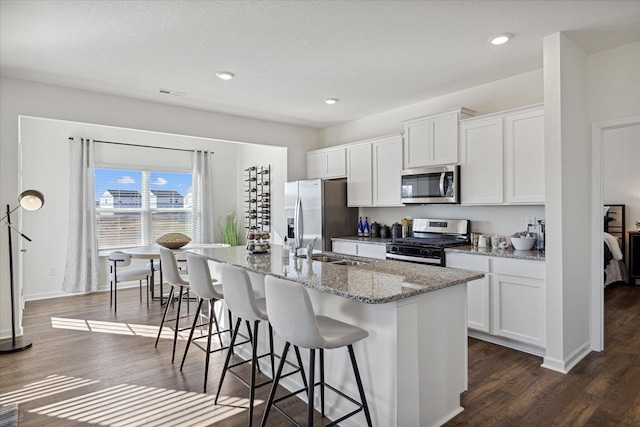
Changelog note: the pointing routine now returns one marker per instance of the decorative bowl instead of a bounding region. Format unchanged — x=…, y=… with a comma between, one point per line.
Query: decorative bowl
x=173, y=240
x=523, y=243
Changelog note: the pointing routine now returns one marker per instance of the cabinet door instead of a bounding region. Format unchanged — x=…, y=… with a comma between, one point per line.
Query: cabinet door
x=342, y=247
x=371, y=250
x=443, y=132
x=387, y=169
x=359, y=175
x=524, y=157
x=481, y=173
x=416, y=147
x=336, y=163
x=478, y=301
x=518, y=308
x=316, y=165
x=478, y=304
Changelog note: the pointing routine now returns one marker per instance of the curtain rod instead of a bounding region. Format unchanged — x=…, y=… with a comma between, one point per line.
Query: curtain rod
x=141, y=145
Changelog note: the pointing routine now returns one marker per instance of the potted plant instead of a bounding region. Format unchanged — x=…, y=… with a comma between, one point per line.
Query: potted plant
x=229, y=230
x=638, y=225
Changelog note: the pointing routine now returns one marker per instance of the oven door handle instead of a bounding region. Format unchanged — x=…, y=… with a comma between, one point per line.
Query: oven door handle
x=433, y=261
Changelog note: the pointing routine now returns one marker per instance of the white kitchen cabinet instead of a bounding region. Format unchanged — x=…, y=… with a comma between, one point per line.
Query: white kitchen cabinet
x=358, y=248
x=481, y=170
x=433, y=140
x=327, y=163
x=387, y=170
x=360, y=175
x=374, y=172
x=502, y=158
x=478, y=303
x=524, y=156
x=507, y=306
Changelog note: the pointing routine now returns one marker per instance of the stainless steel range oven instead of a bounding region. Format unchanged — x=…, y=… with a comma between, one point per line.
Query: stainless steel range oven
x=429, y=240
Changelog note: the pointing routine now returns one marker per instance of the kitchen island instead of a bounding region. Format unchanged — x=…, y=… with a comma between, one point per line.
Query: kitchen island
x=414, y=362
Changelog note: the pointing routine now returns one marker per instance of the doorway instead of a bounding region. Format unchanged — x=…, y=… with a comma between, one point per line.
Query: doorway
x=598, y=136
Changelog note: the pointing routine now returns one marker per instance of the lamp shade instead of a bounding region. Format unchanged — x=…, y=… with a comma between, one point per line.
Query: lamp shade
x=31, y=200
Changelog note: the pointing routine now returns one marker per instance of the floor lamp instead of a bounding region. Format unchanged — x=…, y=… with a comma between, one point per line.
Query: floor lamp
x=31, y=200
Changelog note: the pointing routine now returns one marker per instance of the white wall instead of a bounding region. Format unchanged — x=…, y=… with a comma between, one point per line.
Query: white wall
x=21, y=97
x=517, y=91
x=567, y=164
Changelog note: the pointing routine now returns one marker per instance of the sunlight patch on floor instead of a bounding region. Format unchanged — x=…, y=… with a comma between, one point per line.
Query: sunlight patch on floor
x=133, y=405
x=51, y=385
x=118, y=328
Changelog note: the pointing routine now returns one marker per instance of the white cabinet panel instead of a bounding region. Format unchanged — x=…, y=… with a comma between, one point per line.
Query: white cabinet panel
x=329, y=163
x=478, y=304
x=518, y=308
x=502, y=157
x=342, y=247
x=368, y=250
x=387, y=169
x=359, y=175
x=481, y=144
x=524, y=157
x=433, y=140
x=443, y=133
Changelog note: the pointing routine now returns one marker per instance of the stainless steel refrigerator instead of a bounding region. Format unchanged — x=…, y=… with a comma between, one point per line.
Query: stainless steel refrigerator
x=318, y=208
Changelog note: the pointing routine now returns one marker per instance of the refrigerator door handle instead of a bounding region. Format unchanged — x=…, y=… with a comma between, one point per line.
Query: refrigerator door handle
x=298, y=225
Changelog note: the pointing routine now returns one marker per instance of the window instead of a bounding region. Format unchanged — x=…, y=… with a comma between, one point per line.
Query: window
x=134, y=208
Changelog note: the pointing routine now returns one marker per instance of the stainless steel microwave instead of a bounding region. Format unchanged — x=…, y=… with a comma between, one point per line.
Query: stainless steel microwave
x=440, y=184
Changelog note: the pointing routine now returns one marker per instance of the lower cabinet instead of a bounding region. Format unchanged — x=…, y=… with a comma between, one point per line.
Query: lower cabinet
x=507, y=306
x=368, y=250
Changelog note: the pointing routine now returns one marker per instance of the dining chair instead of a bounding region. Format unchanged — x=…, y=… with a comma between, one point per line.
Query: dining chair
x=118, y=260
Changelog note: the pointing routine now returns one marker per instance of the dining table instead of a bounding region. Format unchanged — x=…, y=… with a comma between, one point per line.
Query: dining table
x=152, y=253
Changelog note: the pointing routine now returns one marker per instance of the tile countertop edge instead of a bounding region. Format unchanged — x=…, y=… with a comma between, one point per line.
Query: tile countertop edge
x=369, y=240
x=502, y=253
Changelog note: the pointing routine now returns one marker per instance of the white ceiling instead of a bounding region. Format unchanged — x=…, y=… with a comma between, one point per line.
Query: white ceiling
x=290, y=55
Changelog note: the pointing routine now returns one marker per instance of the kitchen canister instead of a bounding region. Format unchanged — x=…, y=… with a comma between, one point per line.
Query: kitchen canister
x=396, y=231
x=484, y=241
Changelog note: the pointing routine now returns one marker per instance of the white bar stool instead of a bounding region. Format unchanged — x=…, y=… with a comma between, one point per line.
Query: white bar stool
x=241, y=300
x=206, y=289
x=292, y=317
x=173, y=278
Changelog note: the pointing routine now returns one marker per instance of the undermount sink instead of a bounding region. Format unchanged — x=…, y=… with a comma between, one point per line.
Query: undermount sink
x=335, y=260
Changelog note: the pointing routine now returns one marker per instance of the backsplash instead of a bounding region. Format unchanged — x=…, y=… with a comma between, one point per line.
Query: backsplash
x=501, y=220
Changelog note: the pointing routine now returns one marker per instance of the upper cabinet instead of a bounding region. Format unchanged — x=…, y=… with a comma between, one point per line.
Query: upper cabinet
x=327, y=163
x=502, y=157
x=433, y=140
x=374, y=172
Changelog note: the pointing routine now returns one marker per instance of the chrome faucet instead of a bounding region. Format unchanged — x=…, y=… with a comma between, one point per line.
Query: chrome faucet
x=310, y=248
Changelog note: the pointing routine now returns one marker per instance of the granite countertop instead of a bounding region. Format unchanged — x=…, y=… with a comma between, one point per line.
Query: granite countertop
x=503, y=253
x=372, y=240
x=374, y=282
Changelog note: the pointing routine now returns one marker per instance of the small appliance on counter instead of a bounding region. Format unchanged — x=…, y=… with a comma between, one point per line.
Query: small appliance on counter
x=429, y=240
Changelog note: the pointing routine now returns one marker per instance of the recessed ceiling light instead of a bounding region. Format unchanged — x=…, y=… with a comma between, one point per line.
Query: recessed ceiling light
x=225, y=75
x=331, y=101
x=499, y=39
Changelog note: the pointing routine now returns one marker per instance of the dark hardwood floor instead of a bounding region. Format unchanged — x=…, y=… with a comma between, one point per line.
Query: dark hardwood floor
x=89, y=366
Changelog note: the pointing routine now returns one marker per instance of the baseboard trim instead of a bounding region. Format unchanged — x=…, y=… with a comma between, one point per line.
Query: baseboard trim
x=565, y=365
x=506, y=342
x=59, y=294
x=6, y=333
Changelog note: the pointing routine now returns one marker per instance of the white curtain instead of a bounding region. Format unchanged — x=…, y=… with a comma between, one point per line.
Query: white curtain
x=202, y=180
x=81, y=271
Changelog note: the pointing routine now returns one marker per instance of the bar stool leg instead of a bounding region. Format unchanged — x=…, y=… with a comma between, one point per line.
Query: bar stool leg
x=363, y=398
x=164, y=316
x=226, y=362
x=272, y=357
x=208, y=356
x=175, y=332
x=276, y=380
x=312, y=365
x=304, y=377
x=254, y=363
x=193, y=327
x=322, y=381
